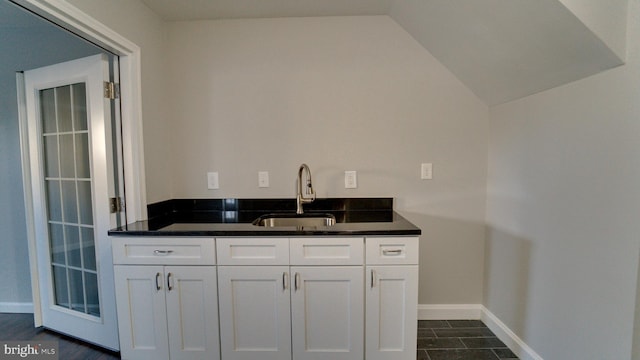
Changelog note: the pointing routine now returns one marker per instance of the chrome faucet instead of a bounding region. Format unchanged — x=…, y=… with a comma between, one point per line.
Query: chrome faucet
x=301, y=199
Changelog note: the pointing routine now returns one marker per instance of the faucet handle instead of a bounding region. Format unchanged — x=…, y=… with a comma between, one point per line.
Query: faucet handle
x=310, y=189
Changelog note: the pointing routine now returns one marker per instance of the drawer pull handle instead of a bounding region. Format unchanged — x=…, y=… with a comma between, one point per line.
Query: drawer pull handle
x=158, y=282
x=392, y=252
x=162, y=252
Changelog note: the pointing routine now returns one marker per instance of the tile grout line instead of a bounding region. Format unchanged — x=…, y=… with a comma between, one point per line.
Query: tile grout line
x=464, y=325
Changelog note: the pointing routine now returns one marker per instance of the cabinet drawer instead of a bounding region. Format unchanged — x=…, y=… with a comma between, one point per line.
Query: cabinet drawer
x=327, y=251
x=163, y=250
x=392, y=250
x=253, y=251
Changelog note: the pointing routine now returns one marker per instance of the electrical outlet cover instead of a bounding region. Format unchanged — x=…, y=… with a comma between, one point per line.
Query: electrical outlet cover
x=426, y=171
x=212, y=181
x=350, y=180
x=263, y=179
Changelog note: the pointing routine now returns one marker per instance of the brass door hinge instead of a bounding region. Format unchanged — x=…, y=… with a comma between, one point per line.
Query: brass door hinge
x=115, y=205
x=111, y=90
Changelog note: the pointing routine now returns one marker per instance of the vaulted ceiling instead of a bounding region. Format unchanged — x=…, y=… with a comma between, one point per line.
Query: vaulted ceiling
x=507, y=49
x=501, y=49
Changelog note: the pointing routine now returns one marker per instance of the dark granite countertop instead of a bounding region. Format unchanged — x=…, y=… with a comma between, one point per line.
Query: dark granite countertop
x=234, y=217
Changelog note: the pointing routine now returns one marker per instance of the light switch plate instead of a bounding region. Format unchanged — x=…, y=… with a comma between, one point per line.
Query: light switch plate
x=426, y=171
x=212, y=181
x=263, y=179
x=350, y=180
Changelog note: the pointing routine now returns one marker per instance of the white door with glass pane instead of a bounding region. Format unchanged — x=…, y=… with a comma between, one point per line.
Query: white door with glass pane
x=72, y=178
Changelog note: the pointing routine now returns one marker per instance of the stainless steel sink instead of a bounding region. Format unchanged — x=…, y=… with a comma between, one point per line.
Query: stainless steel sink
x=298, y=220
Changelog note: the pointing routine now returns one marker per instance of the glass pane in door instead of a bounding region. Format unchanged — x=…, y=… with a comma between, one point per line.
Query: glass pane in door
x=68, y=184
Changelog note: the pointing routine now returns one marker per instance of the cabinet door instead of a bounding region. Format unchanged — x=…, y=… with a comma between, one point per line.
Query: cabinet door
x=142, y=318
x=254, y=312
x=327, y=307
x=192, y=312
x=392, y=309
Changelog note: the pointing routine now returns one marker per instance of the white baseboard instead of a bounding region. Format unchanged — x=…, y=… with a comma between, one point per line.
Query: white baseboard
x=508, y=337
x=479, y=312
x=449, y=311
x=14, y=307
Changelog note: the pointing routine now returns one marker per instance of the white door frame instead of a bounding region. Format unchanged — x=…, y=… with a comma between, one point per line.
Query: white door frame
x=69, y=17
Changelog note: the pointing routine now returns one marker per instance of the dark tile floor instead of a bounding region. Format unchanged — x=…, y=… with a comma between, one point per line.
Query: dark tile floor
x=437, y=340
x=459, y=340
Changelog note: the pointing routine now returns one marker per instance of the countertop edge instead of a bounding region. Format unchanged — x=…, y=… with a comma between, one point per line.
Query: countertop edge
x=399, y=226
x=272, y=233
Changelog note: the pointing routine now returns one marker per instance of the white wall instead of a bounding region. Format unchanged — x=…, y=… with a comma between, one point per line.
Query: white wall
x=562, y=213
x=21, y=49
x=339, y=93
x=345, y=93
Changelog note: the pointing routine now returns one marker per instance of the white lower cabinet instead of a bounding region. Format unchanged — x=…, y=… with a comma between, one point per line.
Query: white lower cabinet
x=392, y=302
x=274, y=312
x=142, y=315
x=167, y=312
x=166, y=297
x=327, y=316
x=277, y=306
x=305, y=298
x=254, y=312
x=391, y=298
x=192, y=315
